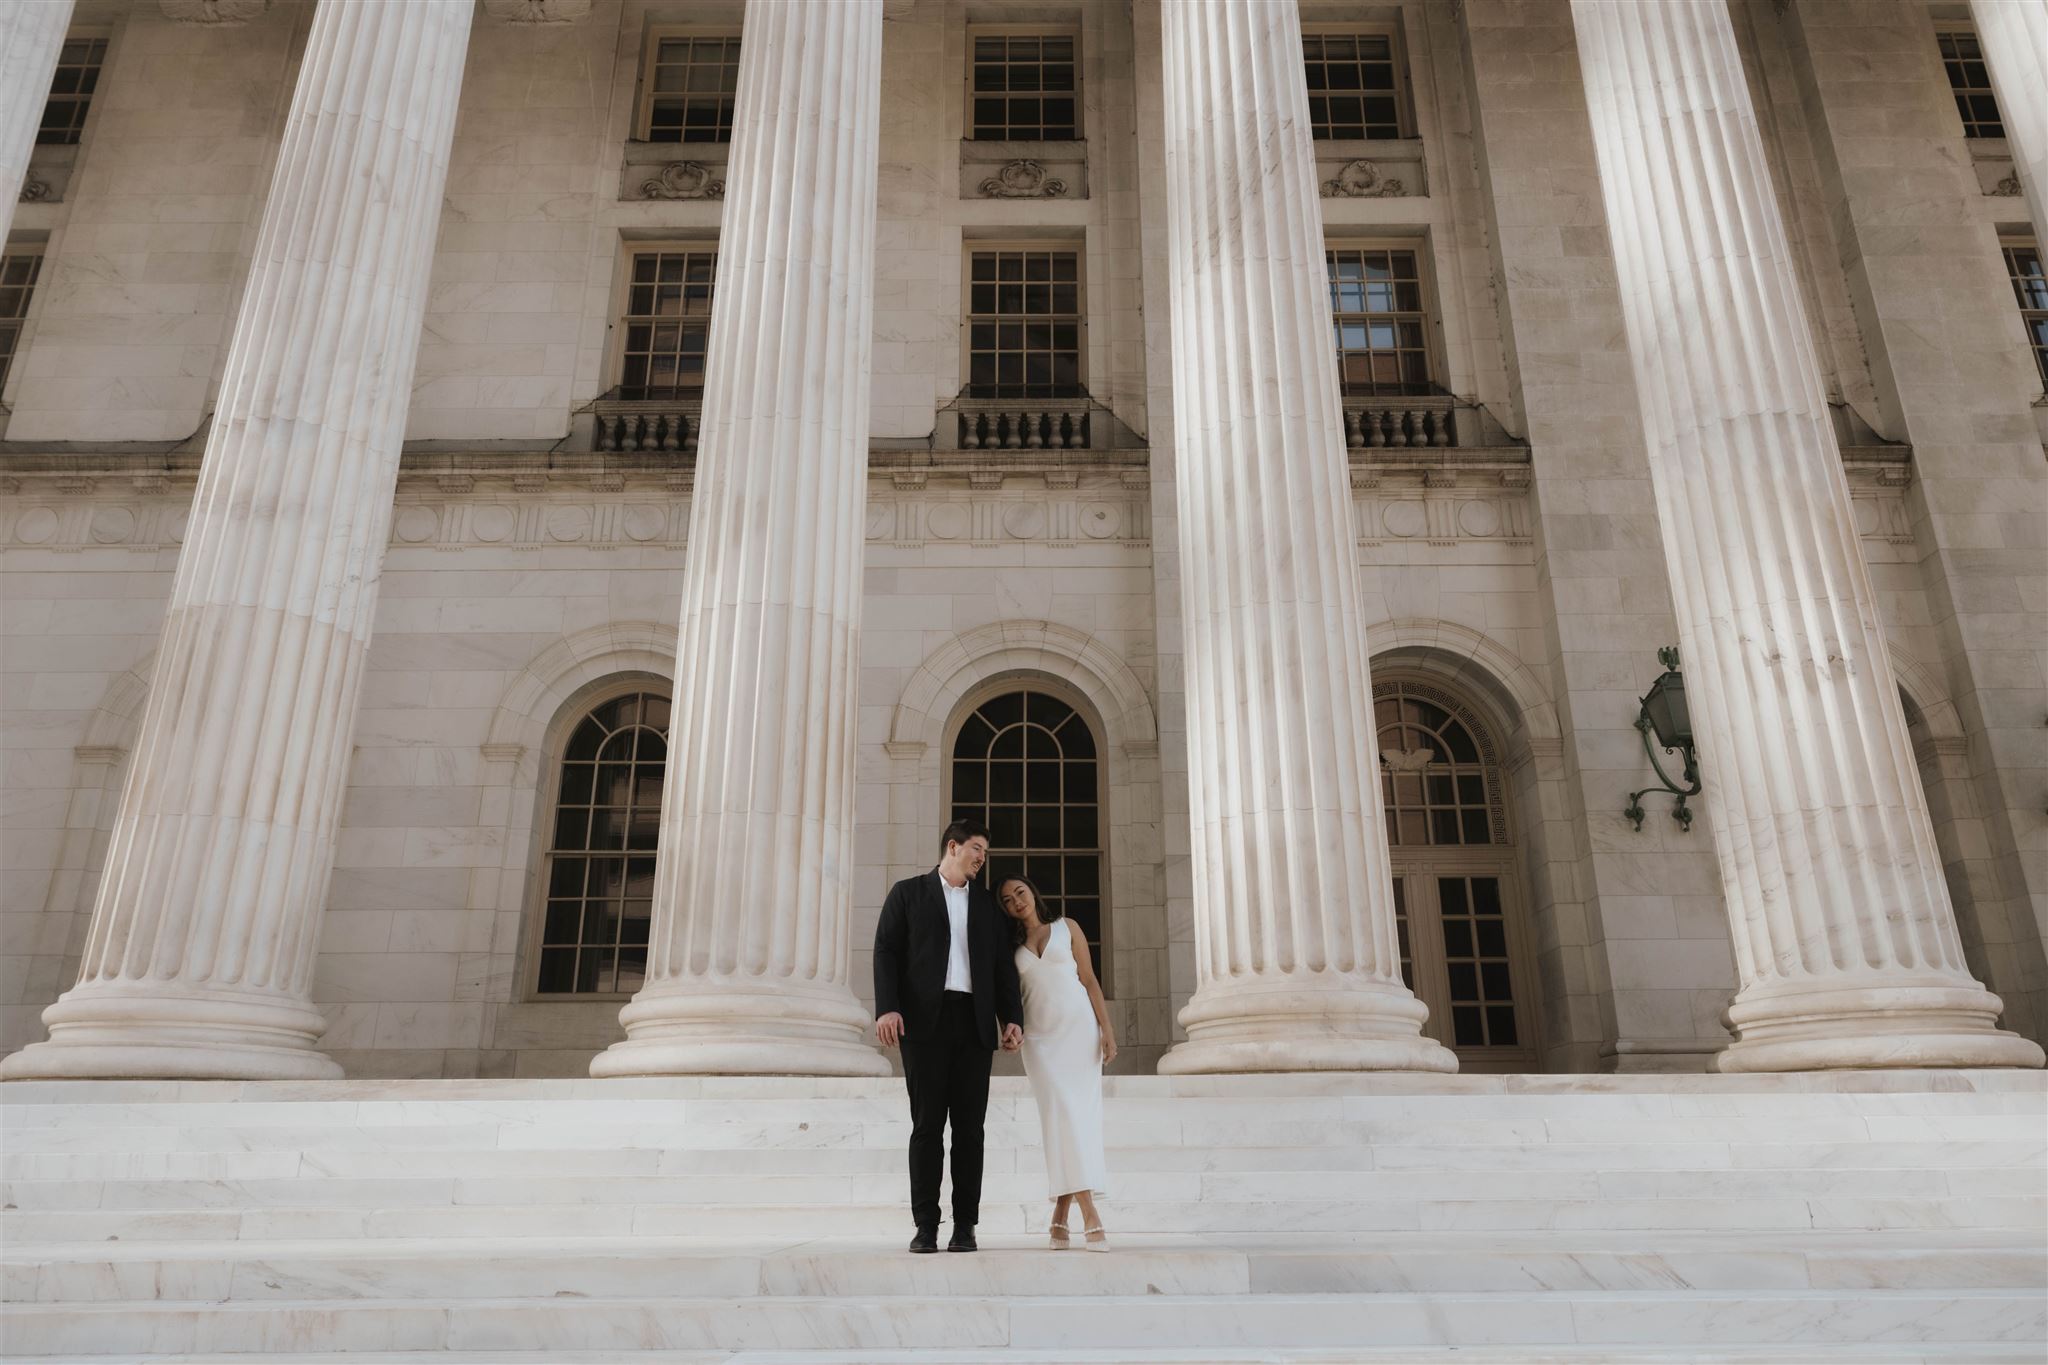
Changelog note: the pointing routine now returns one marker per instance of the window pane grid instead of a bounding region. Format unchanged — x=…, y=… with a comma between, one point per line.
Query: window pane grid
x=1476, y=961
x=2030, y=289
x=18, y=274
x=600, y=872
x=71, y=90
x=1351, y=90
x=1380, y=331
x=1024, y=88
x=693, y=83
x=1025, y=764
x=1970, y=81
x=1024, y=324
x=667, y=324
x=1437, y=786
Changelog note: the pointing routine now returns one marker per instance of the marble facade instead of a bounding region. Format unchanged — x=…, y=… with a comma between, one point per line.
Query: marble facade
x=528, y=566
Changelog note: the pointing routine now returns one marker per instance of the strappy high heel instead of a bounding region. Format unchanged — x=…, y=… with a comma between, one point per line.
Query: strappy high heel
x=1095, y=1239
x=1062, y=1240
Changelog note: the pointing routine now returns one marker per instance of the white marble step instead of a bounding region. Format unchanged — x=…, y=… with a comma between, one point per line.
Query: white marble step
x=1857, y=1353
x=598, y=1268
x=313, y=1187
x=1094, y=1323
x=887, y=1218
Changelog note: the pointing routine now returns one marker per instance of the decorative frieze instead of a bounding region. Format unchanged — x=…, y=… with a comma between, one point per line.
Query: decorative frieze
x=684, y=180
x=1022, y=179
x=1362, y=179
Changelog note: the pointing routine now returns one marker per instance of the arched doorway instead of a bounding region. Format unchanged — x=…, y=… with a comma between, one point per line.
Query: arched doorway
x=1026, y=763
x=1465, y=948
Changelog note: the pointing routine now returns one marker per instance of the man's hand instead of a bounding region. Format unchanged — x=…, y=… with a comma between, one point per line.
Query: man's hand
x=889, y=1029
x=1013, y=1037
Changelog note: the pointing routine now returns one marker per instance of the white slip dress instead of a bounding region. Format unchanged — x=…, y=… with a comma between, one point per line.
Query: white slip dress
x=1063, y=1058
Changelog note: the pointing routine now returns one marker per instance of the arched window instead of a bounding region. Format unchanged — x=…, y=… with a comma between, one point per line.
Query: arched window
x=1026, y=764
x=599, y=872
x=1464, y=949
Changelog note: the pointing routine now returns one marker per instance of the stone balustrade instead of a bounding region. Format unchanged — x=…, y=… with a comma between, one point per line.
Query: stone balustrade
x=650, y=426
x=1405, y=422
x=1025, y=426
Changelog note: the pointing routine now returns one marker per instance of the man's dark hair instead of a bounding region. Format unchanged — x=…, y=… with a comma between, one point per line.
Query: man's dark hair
x=960, y=831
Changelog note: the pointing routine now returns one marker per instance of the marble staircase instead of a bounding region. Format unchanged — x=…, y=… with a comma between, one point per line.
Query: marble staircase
x=1837, y=1217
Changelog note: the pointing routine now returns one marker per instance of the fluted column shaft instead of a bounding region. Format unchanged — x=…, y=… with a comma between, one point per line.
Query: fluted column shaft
x=1296, y=961
x=31, y=36
x=1845, y=940
x=2014, y=37
x=199, y=960
x=748, y=961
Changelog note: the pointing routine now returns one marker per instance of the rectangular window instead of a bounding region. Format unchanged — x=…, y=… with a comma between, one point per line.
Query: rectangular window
x=1971, y=83
x=667, y=322
x=1024, y=323
x=688, y=88
x=1381, y=330
x=1352, y=86
x=18, y=271
x=1023, y=88
x=2030, y=288
x=77, y=76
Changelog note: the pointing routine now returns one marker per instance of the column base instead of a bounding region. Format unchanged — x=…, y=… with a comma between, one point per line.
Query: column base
x=751, y=1026
x=1932, y=1023
x=104, y=1031
x=1323, y=1021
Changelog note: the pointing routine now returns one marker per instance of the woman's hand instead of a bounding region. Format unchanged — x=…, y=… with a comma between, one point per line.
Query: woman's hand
x=1108, y=1045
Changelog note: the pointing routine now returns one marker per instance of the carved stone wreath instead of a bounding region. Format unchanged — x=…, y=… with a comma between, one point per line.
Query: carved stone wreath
x=2008, y=188
x=1022, y=180
x=537, y=11
x=684, y=180
x=34, y=191
x=1363, y=180
x=221, y=13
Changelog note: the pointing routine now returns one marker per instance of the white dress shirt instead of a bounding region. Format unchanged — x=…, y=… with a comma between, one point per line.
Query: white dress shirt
x=958, y=976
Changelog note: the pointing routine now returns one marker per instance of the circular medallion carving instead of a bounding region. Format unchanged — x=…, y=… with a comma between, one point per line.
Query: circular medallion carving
x=569, y=523
x=1479, y=519
x=174, y=525
x=1101, y=520
x=492, y=522
x=1866, y=515
x=880, y=518
x=947, y=521
x=37, y=525
x=113, y=525
x=1403, y=519
x=644, y=521
x=415, y=524
x=1024, y=520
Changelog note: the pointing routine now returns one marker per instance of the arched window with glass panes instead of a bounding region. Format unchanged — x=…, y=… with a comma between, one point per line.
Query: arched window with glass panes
x=1464, y=947
x=1026, y=763
x=598, y=871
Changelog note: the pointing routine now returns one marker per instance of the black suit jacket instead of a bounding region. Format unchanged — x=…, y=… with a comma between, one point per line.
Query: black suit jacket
x=914, y=939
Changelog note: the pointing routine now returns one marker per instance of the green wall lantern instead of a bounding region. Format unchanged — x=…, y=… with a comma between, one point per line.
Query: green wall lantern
x=1662, y=713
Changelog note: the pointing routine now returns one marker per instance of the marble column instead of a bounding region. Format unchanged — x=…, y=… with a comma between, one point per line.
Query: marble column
x=199, y=961
x=1845, y=941
x=31, y=36
x=2014, y=36
x=749, y=957
x=1297, y=967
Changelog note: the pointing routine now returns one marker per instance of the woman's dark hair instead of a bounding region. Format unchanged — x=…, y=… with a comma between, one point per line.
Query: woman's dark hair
x=1046, y=913
x=960, y=831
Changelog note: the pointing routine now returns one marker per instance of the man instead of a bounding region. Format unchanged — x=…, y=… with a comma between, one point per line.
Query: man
x=945, y=982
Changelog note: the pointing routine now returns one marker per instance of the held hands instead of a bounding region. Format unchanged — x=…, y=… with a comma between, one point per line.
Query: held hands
x=889, y=1029
x=1013, y=1037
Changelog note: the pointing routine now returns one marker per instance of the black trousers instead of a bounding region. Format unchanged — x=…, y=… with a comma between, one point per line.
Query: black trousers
x=947, y=1076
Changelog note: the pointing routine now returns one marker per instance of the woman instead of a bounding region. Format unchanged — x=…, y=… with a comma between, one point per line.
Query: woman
x=1067, y=1042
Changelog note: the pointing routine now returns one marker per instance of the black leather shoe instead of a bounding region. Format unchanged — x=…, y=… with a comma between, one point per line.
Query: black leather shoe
x=927, y=1239
x=963, y=1238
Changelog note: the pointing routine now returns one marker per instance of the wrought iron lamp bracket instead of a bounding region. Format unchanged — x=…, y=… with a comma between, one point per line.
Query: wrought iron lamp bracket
x=1682, y=745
